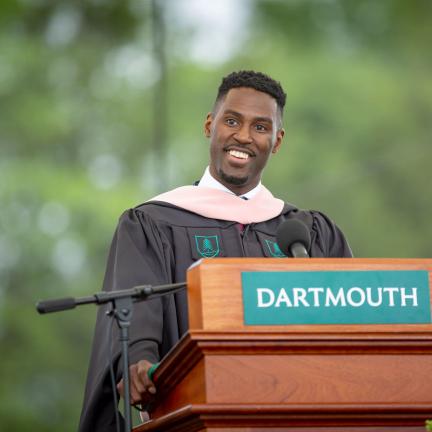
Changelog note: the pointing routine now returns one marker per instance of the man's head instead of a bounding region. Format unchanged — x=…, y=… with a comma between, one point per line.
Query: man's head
x=244, y=128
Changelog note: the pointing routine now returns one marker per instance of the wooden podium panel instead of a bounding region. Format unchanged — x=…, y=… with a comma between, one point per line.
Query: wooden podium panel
x=215, y=301
x=224, y=375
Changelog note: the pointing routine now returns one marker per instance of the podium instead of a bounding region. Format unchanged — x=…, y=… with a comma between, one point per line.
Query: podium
x=225, y=375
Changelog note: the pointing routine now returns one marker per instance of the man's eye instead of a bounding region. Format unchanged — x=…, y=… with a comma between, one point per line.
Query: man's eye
x=231, y=122
x=260, y=128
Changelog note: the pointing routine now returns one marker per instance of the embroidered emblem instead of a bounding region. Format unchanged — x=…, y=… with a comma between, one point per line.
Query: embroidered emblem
x=274, y=249
x=207, y=246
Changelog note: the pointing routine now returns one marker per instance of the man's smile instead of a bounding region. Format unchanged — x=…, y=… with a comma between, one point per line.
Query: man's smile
x=238, y=154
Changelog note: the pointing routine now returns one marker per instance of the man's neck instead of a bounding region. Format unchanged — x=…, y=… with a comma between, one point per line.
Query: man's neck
x=207, y=180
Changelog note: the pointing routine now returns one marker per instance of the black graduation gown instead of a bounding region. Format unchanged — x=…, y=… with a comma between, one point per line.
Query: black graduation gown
x=154, y=244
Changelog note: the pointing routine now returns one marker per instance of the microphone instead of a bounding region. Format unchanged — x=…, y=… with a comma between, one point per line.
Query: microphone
x=121, y=311
x=137, y=293
x=293, y=238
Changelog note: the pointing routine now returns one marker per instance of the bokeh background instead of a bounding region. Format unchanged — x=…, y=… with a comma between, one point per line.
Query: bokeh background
x=102, y=104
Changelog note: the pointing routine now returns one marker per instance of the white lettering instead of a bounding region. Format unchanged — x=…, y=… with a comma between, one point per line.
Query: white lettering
x=316, y=291
x=300, y=296
x=350, y=296
x=340, y=297
x=391, y=291
x=283, y=298
x=412, y=296
x=369, y=297
x=269, y=293
x=354, y=296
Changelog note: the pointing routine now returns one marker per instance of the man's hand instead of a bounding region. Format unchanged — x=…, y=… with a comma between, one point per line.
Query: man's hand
x=141, y=386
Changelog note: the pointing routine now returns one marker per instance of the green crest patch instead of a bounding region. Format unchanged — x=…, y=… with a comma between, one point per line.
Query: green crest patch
x=207, y=246
x=274, y=249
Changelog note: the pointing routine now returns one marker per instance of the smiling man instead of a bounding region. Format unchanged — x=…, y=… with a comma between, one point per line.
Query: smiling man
x=244, y=128
x=227, y=213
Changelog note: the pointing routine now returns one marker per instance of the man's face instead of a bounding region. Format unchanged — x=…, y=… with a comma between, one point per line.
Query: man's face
x=244, y=130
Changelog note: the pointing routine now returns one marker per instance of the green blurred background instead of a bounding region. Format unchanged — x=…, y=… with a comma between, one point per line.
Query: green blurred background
x=102, y=104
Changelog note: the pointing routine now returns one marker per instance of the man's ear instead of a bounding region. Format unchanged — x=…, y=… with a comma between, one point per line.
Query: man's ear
x=207, y=125
x=279, y=137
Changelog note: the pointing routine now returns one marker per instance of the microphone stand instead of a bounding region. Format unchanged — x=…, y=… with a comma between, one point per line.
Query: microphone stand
x=122, y=313
x=121, y=310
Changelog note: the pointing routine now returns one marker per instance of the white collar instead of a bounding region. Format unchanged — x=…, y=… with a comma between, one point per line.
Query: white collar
x=207, y=180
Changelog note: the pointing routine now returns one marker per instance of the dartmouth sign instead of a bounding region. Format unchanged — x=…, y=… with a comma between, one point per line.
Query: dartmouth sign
x=336, y=297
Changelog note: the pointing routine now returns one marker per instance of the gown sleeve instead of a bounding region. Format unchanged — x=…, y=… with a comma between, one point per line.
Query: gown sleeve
x=328, y=240
x=139, y=254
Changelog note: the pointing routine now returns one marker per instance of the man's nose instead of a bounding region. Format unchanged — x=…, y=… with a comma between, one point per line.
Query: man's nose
x=243, y=135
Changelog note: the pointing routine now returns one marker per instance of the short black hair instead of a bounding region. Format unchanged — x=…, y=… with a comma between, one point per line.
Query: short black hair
x=256, y=80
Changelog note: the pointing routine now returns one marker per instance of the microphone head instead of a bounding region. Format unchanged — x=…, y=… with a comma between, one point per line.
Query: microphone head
x=292, y=231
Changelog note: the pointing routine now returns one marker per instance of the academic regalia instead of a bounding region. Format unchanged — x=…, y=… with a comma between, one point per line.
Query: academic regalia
x=155, y=243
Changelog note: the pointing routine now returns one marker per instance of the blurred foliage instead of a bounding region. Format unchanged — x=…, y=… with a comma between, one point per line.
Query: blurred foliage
x=78, y=83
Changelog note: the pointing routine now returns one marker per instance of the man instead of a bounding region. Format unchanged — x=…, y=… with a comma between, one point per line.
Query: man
x=229, y=213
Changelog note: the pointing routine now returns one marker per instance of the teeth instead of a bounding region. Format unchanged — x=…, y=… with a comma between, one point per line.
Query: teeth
x=238, y=154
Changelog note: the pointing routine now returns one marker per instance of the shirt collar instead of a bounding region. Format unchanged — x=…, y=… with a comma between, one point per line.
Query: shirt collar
x=207, y=180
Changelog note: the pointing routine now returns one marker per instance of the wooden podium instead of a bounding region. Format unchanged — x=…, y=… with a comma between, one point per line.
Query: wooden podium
x=224, y=375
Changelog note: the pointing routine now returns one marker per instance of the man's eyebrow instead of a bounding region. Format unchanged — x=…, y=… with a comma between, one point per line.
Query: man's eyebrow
x=232, y=112
x=235, y=113
x=264, y=119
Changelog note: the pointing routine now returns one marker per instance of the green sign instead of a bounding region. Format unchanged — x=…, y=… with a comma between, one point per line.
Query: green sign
x=336, y=297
